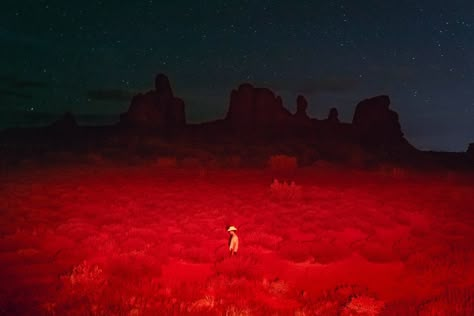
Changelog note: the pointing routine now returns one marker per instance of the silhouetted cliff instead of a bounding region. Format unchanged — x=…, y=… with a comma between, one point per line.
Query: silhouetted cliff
x=158, y=108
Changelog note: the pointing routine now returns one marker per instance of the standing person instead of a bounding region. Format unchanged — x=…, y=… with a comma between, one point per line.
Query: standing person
x=233, y=240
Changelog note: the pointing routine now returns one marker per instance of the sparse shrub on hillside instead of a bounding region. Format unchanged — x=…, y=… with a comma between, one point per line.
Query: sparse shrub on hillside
x=196, y=255
x=86, y=275
x=60, y=157
x=233, y=161
x=451, y=302
x=82, y=289
x=200, y=161
x=239, y=267
x=344, y=299
x=357, y=157
x=204, y=156
x=451, y=176
x=166, y=162
x=308, y=156
x=24, y=164
x=398, y=172
x=158, y=247
x=145, y=151
x=203, y=305
x=400, y=307
x=285, y=191
x=123, y=286
x=375, y=251
x=363, y=305
x=237, y=311
x=322, y=307
x=324, y=165
x=276, y=287
x=95, y=158
x=296, y=251
x=282, y=163
x=392, y=171
x=112, y=153
x=262, y=239
x=211, y=163
x=190, y=163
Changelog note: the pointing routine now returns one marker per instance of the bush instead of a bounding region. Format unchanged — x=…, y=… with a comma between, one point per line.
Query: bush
x=285, y=191
x=239, y=268
x=85, y=275
x=282, y=163
x=124, y=286
x=363, y=305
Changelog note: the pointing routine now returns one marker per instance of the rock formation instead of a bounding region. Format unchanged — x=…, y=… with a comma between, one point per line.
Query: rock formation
x=333, y=116
x=376, y=123
x=470, y=150
x=158, y=108
x=255, y=108
x=301, y=107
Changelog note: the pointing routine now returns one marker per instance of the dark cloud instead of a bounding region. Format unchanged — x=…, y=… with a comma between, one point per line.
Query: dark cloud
x=16, y=94
x=21, y=118
x=27, y=84
x=13, y=82
x=17, y=118
x=14, y=37
x=110, y=95
x=81, y=118
x=6, y=79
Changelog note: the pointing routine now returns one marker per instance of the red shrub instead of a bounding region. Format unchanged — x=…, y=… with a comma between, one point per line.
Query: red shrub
x=285, y=191
x=239, y=267
x=282, y=163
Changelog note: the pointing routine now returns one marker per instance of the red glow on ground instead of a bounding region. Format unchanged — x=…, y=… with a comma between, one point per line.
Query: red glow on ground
x=148, y=240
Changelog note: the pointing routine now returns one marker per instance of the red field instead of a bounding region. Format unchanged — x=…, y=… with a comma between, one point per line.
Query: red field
x=152, y=241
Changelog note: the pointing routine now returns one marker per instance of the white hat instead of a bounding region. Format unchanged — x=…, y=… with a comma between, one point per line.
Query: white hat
x=231, y=228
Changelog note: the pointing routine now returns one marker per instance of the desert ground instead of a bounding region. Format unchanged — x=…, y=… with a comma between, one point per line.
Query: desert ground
x=108, y=239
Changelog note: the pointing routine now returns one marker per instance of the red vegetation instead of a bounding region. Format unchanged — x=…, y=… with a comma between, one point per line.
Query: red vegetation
x=152, y=241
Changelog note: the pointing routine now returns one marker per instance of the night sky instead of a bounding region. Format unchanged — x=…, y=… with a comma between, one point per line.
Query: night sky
x=90, y=57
